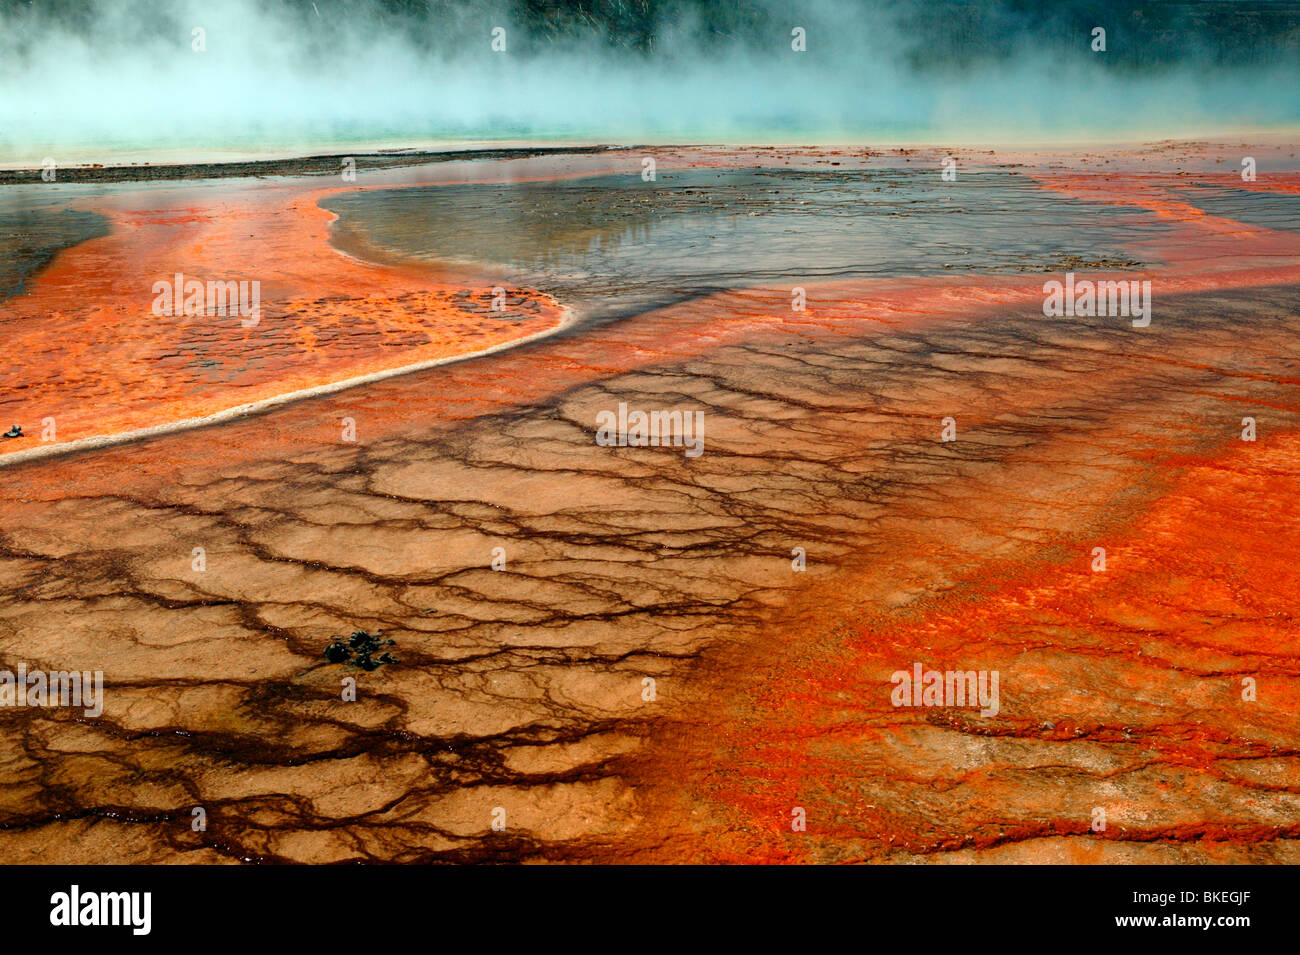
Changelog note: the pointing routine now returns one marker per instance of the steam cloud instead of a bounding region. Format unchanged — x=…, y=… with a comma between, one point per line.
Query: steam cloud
x=121, y=75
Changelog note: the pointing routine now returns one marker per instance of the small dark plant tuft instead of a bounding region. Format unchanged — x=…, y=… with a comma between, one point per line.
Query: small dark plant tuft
x=361, y=649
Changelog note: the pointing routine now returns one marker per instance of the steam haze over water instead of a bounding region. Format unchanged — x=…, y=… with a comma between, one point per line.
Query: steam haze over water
x=121, y=77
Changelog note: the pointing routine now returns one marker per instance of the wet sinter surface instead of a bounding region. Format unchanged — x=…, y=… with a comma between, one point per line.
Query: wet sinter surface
x=533, y=581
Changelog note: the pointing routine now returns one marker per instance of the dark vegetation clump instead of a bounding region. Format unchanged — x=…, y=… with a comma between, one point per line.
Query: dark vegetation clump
x=361, y=649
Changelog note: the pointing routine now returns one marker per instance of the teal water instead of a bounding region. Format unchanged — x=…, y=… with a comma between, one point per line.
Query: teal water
x=32, y=233
x=615, y=244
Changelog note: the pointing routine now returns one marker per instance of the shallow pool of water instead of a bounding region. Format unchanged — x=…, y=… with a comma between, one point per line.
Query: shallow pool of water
x=613, y=245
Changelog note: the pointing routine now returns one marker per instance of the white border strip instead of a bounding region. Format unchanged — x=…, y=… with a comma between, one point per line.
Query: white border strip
x=187, y=424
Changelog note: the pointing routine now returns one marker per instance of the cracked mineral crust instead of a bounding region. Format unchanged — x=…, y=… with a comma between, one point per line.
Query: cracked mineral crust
x=626, y=653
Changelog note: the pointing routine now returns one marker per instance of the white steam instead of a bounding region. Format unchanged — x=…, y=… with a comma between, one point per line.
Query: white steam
x=125, y=78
